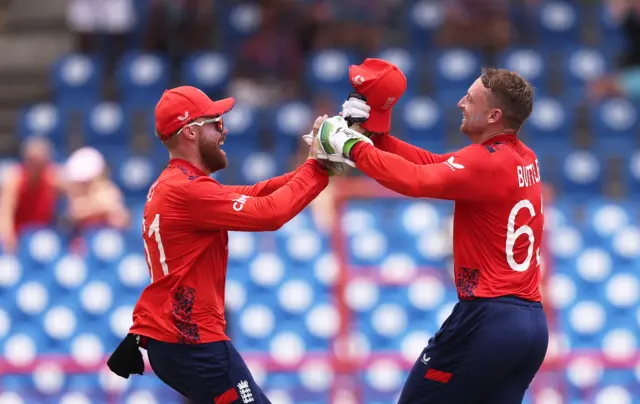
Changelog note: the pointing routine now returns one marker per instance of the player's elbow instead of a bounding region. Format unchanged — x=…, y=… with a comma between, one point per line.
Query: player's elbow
x=411, y=190
x=275, y=222
x=280, y=221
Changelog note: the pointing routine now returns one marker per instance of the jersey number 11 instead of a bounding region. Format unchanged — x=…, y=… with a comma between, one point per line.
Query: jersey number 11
x=154, y=230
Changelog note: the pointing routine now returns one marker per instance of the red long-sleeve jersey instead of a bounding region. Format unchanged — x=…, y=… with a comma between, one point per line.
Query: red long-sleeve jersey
x=498, y=217
x=185, y=231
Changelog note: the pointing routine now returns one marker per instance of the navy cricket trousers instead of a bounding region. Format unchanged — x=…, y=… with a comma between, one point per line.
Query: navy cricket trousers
x=212, y=373
x=487, y=352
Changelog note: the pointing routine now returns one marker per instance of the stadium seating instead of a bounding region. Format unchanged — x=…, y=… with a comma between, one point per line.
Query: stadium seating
x=281, y=291
x=76, y=80
x=281, y=301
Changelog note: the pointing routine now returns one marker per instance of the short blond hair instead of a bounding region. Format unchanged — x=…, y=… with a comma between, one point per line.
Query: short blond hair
x=512, y=93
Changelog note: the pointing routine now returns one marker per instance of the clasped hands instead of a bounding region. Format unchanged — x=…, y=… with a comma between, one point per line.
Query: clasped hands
x=331, y=139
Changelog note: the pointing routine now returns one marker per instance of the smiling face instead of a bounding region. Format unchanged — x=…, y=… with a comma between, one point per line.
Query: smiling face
x=209, y=139
x=477, y=111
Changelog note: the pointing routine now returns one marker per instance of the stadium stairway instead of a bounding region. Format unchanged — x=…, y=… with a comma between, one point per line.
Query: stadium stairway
x=32, y=35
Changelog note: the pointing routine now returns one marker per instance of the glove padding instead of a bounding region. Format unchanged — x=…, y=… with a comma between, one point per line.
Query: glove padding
x=336, y=139
x=356, y=109
x=337, y=166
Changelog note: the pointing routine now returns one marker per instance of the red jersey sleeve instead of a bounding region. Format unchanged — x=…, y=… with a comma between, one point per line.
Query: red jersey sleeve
x=465, y=175
x=212, y=206
x=263, y=188
x=407, y=151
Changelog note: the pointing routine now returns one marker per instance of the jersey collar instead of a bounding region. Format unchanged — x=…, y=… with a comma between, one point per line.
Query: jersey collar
x=187, y=165
x=505, y=137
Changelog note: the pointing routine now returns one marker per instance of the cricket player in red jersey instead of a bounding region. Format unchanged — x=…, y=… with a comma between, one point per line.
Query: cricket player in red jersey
x=179, y=317
x=492, y=345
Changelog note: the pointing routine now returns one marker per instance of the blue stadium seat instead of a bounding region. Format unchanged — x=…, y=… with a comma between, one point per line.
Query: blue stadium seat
x=530, y=63
x=292, y=119
x=107, y=126
x=583, y=174
x=423, y=18
x=289, y=121
x=580, y=66
x=134, y=174
x=605, y=217
x=142, y=78
x=243, y=124
x=455, y=71
x=559, y=24
x=207, y=71
x=611, y=35
x=551, y=123
x=614, y=124
x=76, y=80
x=422, y=119
x=632, y=173
x=42, y=120
x=237, y=23
x=106, y=247
x=39, y=247
x=327, y=72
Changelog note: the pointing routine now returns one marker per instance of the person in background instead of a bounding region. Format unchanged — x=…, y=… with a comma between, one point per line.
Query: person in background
x=180, y=26
x=93, y=199
x=625, y=82
x=104, y=25
x=29, y=193
x=465, y=18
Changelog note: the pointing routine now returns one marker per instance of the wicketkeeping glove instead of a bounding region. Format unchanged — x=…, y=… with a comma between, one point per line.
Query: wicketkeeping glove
x=335, y=167
x=355, y=109
x=337, y=140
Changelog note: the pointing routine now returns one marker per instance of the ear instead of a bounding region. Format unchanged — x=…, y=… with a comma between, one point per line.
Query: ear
x=495, y=115
x=189, y=132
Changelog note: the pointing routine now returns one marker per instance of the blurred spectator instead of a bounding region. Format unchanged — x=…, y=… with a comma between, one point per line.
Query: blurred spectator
x=465, y=19
x=626, y=81
x=180, y=26
x=93, y=20
x=269, y=64
x=29, y=193
x=93, y=200
x=4, y=5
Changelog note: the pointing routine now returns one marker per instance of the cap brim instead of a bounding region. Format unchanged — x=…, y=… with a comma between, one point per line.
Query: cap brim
x=221, y=107
x=378, y=122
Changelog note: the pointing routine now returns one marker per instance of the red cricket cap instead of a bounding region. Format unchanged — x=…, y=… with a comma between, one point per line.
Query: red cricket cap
x=182, y=105
x=382, y=83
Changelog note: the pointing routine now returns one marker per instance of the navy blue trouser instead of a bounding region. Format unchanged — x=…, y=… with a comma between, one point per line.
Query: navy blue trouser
x=487, y=352
x=212, y=373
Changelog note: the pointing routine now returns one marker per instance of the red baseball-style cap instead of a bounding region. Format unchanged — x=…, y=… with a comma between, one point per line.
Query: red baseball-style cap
x=382, y=83
x=182, y=105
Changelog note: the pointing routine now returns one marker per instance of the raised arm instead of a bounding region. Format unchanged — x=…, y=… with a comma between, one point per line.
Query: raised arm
x=465, y=175
x=214, y=207
x=262, y=188
x=8, y=206
x=407, y=151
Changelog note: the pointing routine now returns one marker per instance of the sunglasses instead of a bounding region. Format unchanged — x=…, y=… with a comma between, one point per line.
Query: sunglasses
x=218, y=121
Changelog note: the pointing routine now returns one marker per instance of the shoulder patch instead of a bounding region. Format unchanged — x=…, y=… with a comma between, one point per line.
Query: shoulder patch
x=494, y=147
x=190, y=174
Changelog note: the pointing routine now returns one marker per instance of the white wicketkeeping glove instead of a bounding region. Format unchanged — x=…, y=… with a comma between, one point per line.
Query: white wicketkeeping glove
x=336, y=139
x=355, y=108
x=308, y=139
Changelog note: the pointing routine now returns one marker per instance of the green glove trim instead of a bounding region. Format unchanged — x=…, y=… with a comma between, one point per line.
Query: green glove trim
x=348, y=145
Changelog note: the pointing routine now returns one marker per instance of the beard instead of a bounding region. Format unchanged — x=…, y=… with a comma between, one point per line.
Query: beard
x=212, y=157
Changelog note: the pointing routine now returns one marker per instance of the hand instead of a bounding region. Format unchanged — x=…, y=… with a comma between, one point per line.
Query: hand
x=337, y=166
x=356, y=109
x=309, y=137
x=336, y=139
